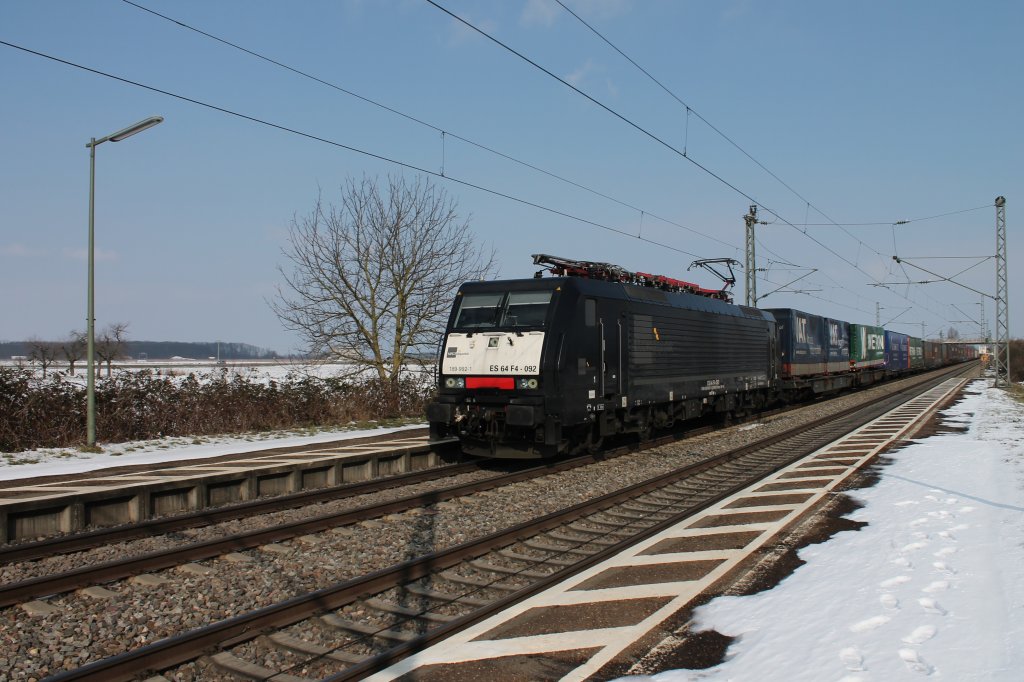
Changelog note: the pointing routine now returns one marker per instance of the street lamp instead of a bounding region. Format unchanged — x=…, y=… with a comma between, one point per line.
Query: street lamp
x=90, y=319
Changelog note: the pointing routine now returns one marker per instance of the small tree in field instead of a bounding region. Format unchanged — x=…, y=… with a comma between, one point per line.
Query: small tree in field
x=43, y=353
x=110, y=343
x=371, y=280
x=73, y=348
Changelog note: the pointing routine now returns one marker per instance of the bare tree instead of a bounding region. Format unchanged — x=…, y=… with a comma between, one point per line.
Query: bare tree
x=371, y=281
x=110, y=343
x=953, y=334
x=42, y=352
x=73, y=348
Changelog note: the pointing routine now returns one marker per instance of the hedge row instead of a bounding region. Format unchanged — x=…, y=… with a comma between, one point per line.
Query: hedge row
x=1017, y=360
x=36, y=413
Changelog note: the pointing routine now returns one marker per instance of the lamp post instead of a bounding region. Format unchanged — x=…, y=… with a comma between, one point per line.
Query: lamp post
x=90, y=320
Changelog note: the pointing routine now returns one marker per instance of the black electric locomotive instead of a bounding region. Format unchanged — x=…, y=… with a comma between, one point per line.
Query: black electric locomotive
x=538, y=367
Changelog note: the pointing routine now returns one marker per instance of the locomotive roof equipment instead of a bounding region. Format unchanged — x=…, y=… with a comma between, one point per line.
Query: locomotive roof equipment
x=568, y=267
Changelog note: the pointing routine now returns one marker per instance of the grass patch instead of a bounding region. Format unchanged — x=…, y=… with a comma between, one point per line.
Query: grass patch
x=1016, y=391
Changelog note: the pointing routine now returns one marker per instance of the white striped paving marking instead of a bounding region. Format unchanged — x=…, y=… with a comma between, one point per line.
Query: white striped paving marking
x=663, y=594
x=195, y=470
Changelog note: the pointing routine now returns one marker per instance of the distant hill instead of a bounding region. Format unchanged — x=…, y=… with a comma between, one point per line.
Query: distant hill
x=163, y=350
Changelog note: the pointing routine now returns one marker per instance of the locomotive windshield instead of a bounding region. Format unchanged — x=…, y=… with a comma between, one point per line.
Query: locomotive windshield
x=503, y=309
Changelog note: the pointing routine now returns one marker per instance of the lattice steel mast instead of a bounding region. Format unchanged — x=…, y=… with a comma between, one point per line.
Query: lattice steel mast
x=1002, y=335
x=750, y=283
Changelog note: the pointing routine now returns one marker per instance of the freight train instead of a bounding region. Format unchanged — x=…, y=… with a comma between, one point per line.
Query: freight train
x=539, y=367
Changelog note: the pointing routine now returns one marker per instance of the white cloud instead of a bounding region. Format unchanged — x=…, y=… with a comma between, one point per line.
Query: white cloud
x=577, y=76
x=539, y=13
x=461, y=34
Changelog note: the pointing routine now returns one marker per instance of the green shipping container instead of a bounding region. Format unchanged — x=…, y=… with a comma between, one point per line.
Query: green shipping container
x=867, y=346
x=916, y=353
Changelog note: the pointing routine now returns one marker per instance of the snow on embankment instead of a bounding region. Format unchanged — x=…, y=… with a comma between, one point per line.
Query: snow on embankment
x=933, y=585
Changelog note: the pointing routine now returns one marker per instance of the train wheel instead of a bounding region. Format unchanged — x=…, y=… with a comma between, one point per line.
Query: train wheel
x=588, y=440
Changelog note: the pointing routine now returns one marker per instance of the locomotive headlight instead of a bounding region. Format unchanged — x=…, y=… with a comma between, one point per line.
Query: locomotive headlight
x=449, y=382
x=454, y=382
x=524, y=384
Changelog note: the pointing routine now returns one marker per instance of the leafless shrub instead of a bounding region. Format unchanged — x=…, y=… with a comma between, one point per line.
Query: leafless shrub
x=38, y=413
x=1017, y=360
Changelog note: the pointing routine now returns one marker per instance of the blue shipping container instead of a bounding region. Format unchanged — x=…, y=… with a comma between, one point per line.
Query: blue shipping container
x=897, y=351
x=803, y=342
x=838, y=353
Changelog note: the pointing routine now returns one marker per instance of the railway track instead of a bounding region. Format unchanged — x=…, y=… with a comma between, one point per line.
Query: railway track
x=361, y=625
x=14, y=593
x=27, y=551
x=85, y=540
x=18, y=591
x=21, y=591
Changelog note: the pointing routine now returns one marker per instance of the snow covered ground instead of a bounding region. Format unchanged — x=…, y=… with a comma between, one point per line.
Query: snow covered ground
x=57, y=461
x=932, y=586
x=204, y=370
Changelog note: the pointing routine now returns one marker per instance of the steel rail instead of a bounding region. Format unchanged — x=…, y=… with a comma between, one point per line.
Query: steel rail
x=17, y=592
x=14, y=593
x=77, y=542
x=187, y=646
x=400, y=651
x=204, y=517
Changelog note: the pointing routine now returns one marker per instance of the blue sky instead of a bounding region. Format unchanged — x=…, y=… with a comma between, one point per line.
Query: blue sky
x=868, y=112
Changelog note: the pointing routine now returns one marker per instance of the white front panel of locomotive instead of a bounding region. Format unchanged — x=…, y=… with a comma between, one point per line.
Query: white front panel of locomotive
x=493, y=353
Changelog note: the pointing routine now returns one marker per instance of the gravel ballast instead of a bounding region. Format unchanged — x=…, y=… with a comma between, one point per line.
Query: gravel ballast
x=88, y=628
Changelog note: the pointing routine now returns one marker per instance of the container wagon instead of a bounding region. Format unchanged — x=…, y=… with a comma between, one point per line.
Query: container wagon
x=897, y=352
x=916, y=347
x=932, y=354
x=867, y=347
x=806, y=344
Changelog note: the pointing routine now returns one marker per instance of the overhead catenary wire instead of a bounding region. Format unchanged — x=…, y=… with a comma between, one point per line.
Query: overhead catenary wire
x=445, y=133
x=334, y=143
x=674, y=96
x=471, y=184
x=409, y=117
x=898, y=223
x=672, y=148
x=690, y=109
